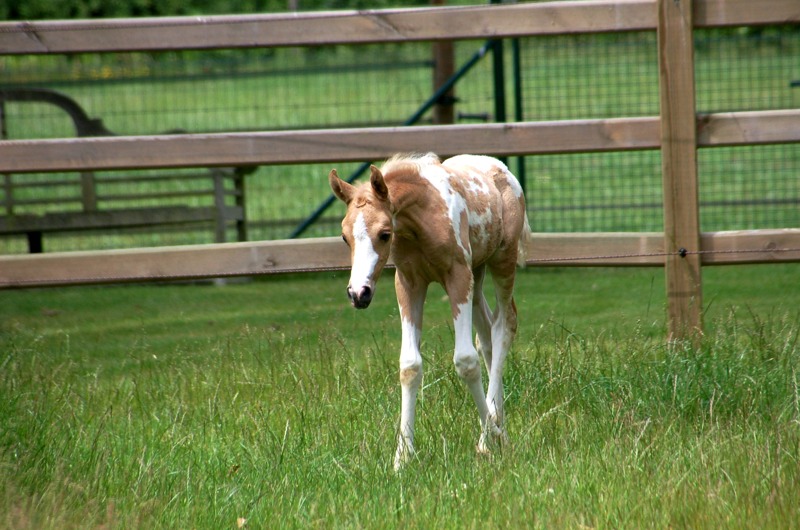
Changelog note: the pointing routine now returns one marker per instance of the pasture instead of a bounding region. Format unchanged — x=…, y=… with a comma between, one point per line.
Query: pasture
x=274, y=402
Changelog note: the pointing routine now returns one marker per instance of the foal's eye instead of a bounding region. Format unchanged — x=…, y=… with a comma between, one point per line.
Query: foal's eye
x=345, y=240
x=385, y=236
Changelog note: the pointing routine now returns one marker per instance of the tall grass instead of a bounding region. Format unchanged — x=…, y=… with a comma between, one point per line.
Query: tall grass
x=274, y=402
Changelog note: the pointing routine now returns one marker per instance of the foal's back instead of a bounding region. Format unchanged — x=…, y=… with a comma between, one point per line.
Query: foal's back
x=491, y=171
x=496, y=205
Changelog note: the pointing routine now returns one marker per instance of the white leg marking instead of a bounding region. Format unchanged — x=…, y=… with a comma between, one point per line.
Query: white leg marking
x=410, y=379
x=467, y=363
x=411, y=299
x=481, y=319
x=494, y=394
x=503, y=331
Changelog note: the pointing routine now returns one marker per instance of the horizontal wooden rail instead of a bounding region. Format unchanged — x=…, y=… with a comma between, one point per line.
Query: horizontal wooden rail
x=720, y=13
x=342, y=145
x=368, y=26
x=647, y=248
x=750, y=246
x=750, y=127
x=319, y=254
x=324, y=28
x=331, y=145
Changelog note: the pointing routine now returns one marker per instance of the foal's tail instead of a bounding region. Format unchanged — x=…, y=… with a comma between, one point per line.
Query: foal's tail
x=524, y=240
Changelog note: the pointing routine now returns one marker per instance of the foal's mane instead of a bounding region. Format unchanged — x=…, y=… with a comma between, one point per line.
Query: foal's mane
x=415, y=161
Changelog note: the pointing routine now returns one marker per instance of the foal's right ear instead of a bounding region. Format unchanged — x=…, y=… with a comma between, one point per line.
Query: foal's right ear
x=343, y=190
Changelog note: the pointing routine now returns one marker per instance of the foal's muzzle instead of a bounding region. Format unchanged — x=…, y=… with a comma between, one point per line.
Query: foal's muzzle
x=361, y=299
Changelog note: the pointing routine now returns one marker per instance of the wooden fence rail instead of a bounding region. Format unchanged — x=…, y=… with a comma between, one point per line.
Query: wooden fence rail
x=343, y=145
x=329, y=253
x=368, y=26
x=678, y=132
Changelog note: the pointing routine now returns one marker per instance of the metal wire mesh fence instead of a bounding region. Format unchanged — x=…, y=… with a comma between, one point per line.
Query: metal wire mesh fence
x=748, y=69
x=605, y=76
x=592, y=77
x=561, y=77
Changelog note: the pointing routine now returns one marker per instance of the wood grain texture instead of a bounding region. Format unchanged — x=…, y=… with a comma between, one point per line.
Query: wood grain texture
x=679, y=168
x=369, y=26
x=347, y=145
x=325, y=28
x=751, y=246
x=642, y=249
x=320, y=254
x=748, y=128
x=720, y=13
x=331, y=145
x=167, y=263
x=112, y=219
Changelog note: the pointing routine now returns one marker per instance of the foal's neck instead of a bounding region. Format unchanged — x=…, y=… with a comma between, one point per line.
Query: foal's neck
x=412, y=199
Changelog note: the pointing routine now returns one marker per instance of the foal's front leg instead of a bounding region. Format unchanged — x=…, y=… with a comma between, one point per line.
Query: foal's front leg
x=411, y=299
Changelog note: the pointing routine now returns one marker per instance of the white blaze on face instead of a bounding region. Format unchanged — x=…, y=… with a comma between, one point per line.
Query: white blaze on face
x=364, y=256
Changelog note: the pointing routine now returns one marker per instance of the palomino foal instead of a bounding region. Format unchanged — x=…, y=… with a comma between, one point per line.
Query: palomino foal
x=445, y=222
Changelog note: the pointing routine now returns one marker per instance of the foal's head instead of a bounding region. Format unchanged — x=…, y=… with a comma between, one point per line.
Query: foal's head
x=367, y=230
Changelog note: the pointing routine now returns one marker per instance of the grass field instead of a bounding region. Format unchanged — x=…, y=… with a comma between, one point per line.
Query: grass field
x=274, y=402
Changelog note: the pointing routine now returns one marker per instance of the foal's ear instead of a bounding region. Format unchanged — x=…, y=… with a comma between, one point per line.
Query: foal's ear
x=343, y=190
x=378, y=184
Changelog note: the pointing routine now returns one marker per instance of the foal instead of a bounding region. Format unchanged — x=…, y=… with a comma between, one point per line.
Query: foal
x=445, y=222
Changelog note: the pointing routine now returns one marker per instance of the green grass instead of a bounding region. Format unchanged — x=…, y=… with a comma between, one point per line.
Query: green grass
x=192, y=406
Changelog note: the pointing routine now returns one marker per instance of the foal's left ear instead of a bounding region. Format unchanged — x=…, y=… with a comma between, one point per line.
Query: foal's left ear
x=378, y=184
x=340, y=188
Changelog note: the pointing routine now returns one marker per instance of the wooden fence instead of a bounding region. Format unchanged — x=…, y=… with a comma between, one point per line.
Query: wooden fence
x=678, y=132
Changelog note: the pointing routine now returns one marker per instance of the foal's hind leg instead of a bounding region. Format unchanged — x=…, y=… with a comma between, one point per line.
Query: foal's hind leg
x=504, y=328
x=481, y=318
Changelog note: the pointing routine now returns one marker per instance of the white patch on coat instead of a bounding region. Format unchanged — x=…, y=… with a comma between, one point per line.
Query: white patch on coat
x=466, y=356
x=477, y=168
x=456, y=204
x=485, y=164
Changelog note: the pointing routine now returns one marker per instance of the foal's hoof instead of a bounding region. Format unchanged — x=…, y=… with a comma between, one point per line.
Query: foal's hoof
x=402, y=458
x=492, y=442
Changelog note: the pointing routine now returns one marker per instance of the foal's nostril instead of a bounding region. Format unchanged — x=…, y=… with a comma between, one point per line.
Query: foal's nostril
x=360, y=299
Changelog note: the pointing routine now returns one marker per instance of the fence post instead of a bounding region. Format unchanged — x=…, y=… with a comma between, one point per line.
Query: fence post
x=444, y=60
x=679, y=169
